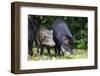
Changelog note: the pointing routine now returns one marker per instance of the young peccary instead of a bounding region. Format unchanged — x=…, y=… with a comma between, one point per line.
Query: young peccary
x=45, y=40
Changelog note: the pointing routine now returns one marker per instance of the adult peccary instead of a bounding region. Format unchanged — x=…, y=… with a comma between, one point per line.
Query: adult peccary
x=45, y=40
x=62, y=37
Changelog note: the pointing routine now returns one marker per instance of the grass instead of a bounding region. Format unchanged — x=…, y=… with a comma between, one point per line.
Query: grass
x=79, y=54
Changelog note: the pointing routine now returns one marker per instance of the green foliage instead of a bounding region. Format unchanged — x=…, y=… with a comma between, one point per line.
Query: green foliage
x=77, y=25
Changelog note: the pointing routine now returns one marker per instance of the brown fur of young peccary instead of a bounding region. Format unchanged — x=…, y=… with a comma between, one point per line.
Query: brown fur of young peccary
x=45, y=40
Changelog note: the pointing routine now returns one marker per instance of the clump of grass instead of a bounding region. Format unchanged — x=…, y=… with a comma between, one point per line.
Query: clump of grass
x=79, y=54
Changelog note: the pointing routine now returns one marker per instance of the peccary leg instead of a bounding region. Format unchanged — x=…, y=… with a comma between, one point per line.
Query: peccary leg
x=55, y=48
x=30, y=47
x=48, y=49
x=42, y=50
x=58, y=50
